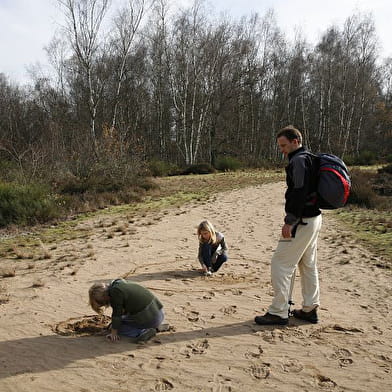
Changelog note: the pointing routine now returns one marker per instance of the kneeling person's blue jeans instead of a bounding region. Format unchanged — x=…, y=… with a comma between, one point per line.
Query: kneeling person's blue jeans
x=208, y=255
x=132, y=330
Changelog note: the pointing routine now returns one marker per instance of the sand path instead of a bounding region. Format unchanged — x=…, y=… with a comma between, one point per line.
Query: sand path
x=214, y=344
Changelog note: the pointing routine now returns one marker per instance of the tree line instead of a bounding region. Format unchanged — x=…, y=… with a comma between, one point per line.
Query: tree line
x=149, y=82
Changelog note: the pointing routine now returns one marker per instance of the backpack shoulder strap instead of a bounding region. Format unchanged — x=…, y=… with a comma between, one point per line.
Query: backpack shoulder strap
x=315, y=161
x=314, y=174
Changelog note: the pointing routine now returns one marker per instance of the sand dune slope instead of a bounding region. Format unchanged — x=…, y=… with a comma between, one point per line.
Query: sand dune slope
x=213, y=344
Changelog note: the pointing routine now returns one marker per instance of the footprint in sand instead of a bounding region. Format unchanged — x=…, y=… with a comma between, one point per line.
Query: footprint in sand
x=209, y=295
x=163, y=385
x=336, y=328
x=252, y=354
x=4, y=296
x=229, y=309
x=221, y=383
x=341, y=353
x=343, y=362
x=199, y=347
x=260, y=371
x=385, y=358
x=292, y=366
x=193, y=316
x=271, y=336
x=325, y=382
x=343, y=356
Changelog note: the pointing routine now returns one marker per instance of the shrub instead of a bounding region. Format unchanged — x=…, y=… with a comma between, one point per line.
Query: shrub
x=8, y=170
x=77, y=186
x=199, y=168
x=365, y=158
x=105, y=176
x=12, y=172
x=386, y=169
x=71, y=185
x=24, y=204
x=362, y=193
x=383, y=181
x=145, y=183
x=265, y=163
x=227, y=163
x=159, y=168
x=350, y=160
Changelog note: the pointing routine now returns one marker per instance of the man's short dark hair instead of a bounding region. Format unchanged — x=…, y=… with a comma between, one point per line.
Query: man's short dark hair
x=291, y=133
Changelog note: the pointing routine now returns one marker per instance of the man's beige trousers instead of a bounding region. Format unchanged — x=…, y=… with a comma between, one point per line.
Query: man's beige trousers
x=301, y=251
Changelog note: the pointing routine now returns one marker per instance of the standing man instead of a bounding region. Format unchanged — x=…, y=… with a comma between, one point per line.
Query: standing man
x=298, y=245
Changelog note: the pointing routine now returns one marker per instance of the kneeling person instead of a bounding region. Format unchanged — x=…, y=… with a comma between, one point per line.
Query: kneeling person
x=212, y=248
x=136, y=311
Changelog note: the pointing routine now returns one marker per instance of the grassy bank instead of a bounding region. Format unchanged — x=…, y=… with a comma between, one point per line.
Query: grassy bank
x=373, y=228
x=28, y=242
x=369, y=215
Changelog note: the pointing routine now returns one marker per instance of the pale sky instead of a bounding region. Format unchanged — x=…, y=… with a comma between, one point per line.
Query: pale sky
x=27, y=26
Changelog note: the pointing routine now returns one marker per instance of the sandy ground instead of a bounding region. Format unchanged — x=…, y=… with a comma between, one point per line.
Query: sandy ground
x=213, y=344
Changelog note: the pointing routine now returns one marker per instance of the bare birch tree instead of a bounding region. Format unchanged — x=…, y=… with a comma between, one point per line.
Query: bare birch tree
x=83, y=26
x=126, y=24
x=190, y=68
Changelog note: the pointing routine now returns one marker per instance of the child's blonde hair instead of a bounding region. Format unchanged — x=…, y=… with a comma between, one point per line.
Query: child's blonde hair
x=99, y=297
x=206, y=226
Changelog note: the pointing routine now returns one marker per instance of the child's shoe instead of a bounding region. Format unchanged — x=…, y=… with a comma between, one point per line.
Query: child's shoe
x=203, y=270
x=163, y=328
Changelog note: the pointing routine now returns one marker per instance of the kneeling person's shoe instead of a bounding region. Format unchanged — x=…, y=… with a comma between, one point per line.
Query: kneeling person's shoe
x=271, y=319
x=163, y=328
x=144, y=336
x=306, y=316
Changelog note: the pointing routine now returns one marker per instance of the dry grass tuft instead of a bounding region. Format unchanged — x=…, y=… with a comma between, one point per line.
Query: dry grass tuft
x=8, y=272
x=4, y=296
x=20, y=255
x=38, y=283
x=45, y=252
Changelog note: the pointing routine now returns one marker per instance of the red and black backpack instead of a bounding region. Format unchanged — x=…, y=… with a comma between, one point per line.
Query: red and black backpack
x=332, y=181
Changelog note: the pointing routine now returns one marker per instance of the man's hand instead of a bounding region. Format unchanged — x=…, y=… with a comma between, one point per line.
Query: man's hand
x=286, y=230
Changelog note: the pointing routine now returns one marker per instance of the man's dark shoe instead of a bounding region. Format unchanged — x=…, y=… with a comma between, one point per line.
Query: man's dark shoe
x=306, y=316
x=271, y=319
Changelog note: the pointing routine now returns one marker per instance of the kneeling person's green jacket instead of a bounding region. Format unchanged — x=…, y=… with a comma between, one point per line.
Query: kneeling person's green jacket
x=135, y=301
